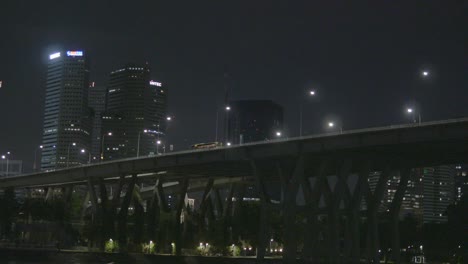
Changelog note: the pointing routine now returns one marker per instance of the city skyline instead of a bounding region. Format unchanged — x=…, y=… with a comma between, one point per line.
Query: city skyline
x=377, y=73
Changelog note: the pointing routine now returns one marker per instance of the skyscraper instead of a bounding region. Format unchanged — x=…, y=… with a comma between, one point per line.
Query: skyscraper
x=135, y=113
x=67, y=122
x=438, y=193
x=97, y=102
x=253, y=120
x=461, y=182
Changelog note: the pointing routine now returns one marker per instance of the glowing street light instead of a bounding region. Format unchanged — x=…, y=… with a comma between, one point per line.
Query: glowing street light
x=278, y=133
x=168, y=118
x=5, y=156
x=35, y=156
x=68, y=152
x=332, y=124
x=102, y=143
x=228, y=108
x=138, y=142
x=228, y=144
x=311, y=94
x=412, y=112
x=425, y=73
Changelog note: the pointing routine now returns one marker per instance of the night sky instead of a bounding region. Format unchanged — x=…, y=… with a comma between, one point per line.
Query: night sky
x=364, y=59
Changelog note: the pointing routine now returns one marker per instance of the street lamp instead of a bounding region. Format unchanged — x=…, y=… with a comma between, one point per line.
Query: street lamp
x=89, y=155
x=5, y=157
x=157, y=147
x=68, y=152
x=311, y=93
x=278, y=133
x=102, y=144
x=412, y=112
x=138, y=143
x=425, y=73
x=228, y=108
x=228, y=144
x=35, y=156
x=331, y=125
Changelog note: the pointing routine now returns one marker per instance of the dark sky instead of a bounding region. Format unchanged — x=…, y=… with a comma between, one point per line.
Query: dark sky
x=364, y=58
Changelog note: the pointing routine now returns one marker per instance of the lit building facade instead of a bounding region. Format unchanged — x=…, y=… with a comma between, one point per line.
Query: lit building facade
x=461, y=182
x=429, y=192
x=67, y=118
x=438, y=193
x=253, y=120
x=135, y=114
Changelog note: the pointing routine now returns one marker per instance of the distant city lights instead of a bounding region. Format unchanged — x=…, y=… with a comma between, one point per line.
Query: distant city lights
x=54, y=56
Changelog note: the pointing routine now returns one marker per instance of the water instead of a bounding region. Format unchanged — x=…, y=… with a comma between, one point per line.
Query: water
x=42, y=257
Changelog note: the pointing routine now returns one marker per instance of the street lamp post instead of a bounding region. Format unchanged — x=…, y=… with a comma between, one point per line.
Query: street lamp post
x=332, y=125
x=89, y=155
x=413, y=114
x=102, y=144
x=157, y=147
x=68, y=152
x=226, y=124
x=35, y=157
x=311, y=93
x=138, y=143
x=5, y=157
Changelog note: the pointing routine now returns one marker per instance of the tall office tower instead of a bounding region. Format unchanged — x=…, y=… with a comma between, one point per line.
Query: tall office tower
x=253, y=120
x=412, y=199
x=461, y=182
x=97, y=102
x=67, y=121
x=133, y=122
x=438, y=193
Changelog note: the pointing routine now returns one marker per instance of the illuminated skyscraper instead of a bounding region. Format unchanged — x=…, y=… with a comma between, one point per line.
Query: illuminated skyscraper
x=67, y=122
x=135, y=113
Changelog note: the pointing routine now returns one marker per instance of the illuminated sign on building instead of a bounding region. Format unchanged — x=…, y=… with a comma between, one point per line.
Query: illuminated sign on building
x=155, y=83
x=74, y=53
x=54, y=56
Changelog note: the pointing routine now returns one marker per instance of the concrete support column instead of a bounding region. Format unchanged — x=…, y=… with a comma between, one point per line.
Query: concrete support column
x=264, y=201
x=395, y=211
x=227, y=214
x=152, y=212
x=353, y=243
x=123, y=214
x=204, y=204
x=105, y=218
x=289, y=209
x=312, y=197
x=180, y=206
x=334, y=201
x=373, y=204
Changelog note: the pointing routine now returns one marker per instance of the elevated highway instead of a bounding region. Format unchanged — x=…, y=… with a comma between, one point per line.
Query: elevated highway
x=297, y=165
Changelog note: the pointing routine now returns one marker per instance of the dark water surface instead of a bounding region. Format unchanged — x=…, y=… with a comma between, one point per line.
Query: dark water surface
x=40, y=257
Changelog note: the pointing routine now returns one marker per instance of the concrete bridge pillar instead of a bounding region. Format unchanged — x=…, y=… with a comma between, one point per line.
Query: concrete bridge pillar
x=373, y=203
x=123, y=214
x=180, y=206
x=290, y=210
x=395, y=211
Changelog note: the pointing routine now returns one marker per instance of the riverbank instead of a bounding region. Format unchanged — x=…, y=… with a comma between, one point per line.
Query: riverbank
x=40, y=256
